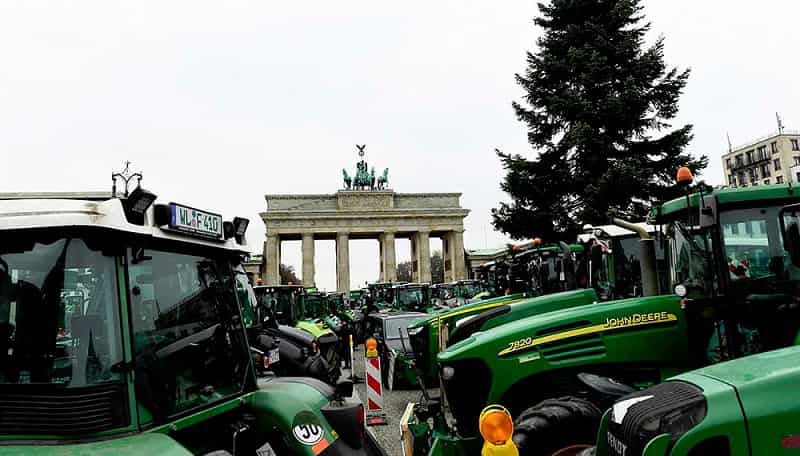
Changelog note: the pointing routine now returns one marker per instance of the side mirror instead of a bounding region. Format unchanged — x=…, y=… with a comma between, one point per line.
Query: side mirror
x=708, y=211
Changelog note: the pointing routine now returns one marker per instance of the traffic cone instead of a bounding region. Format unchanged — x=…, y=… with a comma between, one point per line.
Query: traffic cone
x=375, y=414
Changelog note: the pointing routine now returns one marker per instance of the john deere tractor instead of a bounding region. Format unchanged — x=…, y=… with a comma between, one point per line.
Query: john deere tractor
x=121, y=332
x=745, y=406
x=556, y=371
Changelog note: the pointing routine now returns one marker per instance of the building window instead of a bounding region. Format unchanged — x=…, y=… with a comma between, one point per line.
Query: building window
x=798, y=177
x=753, y=175
x=762, y=152
x=749, y=155
x=778, y=179
x=795, y=145
x=765, y=172
x=739, y=161
x=728, y=163
x=796, y=160
x=777, y=163
x=732, y=180
x=766, y=181
x=774, y=146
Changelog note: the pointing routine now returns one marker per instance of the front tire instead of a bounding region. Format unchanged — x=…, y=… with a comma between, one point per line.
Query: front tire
x=557, y=427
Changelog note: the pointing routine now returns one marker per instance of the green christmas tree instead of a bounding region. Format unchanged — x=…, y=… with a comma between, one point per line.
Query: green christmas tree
x=598, y=106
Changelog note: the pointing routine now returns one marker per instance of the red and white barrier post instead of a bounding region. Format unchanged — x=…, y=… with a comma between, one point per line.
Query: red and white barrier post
x=375, y=413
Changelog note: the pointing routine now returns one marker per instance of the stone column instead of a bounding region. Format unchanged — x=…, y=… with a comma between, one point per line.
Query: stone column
x=272, y=260
x=447, y=257
x=308, y=259
x=343, y=262
x=388, y=257
x=422, y=249
x=457, y=248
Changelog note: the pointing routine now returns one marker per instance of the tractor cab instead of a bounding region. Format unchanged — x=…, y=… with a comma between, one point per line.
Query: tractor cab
x=412, y=297
x=731, y=265
x=121, y=329
x=381, y=294
x=541, y=270
x=283, y=301
x=610, y=263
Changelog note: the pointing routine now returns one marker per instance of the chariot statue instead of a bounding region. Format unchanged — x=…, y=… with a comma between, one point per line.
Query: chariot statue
x=365, y=178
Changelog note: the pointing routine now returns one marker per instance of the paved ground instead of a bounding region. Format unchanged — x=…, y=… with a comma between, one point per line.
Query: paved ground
x=394, y=403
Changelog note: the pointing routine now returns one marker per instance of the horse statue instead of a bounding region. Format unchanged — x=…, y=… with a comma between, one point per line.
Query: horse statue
x=372, y=179
x=348, y=181
x=383, y=180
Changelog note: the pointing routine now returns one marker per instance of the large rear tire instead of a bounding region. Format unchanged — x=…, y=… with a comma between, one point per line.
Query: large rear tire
x=557, y=427
x=334, y=363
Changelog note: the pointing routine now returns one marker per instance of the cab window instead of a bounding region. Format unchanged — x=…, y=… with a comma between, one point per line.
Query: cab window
x=189, y=341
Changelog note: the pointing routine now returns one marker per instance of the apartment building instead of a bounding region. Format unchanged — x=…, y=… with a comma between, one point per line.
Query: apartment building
x=773, y=159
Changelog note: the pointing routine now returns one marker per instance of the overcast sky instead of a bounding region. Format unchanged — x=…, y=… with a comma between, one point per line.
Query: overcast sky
x=219, y=103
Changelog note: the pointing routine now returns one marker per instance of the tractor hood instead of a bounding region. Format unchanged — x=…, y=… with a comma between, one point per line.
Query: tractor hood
x=521, y=309
x=765, y=384
x=467, y=310
x=528, y=334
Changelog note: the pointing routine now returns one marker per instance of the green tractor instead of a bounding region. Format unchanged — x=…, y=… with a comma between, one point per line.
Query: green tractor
x=121, y=332
x=740, y=407
x=291, y=310
x=555, y=371
x=592, y=264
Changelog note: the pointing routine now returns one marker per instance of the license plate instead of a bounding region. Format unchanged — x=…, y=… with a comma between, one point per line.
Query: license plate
x=274, y=356
x=195, y=221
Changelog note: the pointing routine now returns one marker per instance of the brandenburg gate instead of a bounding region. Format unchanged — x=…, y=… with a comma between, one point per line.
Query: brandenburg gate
x=366, y=209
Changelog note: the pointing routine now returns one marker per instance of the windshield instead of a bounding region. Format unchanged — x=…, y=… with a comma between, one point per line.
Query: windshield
x=411, y=298
x=753, y=243
x=59, y=311
x=189, y=341
x=469, y=290
x=282, y=302
x=393, y=326
x=314, y=306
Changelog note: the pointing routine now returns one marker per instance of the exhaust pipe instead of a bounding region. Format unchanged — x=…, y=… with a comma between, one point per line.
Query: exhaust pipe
x=647, y=261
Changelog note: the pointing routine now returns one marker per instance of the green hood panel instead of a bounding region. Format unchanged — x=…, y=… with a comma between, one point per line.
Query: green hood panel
x=544, y=304
x=753, y=371
x=135, y=445
x=767, y=386
x=467, y=310
x=636, y=331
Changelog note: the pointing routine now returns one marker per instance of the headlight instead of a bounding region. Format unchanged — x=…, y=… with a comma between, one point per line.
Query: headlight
x=414, y=331
x=448, y=372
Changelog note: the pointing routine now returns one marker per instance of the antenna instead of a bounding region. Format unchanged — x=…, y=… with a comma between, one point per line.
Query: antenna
x=780, y=123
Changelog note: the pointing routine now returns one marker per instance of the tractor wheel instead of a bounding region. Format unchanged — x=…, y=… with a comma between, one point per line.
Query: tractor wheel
x=557, y=427
x=334, y=364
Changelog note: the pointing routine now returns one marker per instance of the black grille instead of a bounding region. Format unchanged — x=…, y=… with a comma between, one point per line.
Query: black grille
x=419, y=343
x=31, y=409
x=643, y=421
x=467, y=393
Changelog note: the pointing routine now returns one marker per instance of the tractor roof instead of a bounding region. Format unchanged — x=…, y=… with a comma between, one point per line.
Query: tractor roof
x=726, y=197
x=19, y=211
